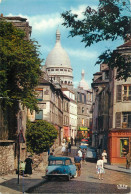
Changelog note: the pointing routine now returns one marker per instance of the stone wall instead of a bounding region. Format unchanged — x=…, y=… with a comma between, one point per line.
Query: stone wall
x=40, y=162
x=7, y=160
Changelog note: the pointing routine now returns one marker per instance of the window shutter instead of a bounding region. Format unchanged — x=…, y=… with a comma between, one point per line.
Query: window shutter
x=118, y=93
x=118, y=119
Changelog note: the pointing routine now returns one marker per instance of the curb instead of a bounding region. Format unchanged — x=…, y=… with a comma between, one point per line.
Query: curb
x=29, y=190
x=129, y=172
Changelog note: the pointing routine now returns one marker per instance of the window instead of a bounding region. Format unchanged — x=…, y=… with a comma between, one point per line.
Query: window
x=124, y=146
x=39, y=95
x=57, y=69
x=127, y=93
x=82, y=109
x=126, y=116
x=39, y=115
x=52, y=69
x=65, y=82
x=61, y=69
x=48, y=69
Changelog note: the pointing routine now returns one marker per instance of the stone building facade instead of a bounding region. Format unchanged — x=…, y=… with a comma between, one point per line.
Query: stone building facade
x=50, y=106
x=119, y=141
x=112, y=112
x=100, y=107
x=84, y=104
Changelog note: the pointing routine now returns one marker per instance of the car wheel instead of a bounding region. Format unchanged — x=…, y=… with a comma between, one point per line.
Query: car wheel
x=68, y=177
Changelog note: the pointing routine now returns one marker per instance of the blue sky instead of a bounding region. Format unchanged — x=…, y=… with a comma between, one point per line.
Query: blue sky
x=44, y=17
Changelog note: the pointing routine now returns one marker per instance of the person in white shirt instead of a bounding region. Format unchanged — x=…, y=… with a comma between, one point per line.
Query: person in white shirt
x=63, y=149
x=80, y=153
x=104, y=155
x=100, y=167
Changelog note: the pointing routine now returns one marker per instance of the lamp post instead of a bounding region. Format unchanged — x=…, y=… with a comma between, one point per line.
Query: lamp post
x=20, y=138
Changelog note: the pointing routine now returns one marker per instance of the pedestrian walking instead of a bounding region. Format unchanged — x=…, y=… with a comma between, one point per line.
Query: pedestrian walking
x=104, y=156
x=72, y=141
x=28, y=165
x=69, y=148
x=75, y=141
x=80, y=153
x=63, y=147
x=128, y=160
x=100, y=168
x=77, y=161
x=83, y=154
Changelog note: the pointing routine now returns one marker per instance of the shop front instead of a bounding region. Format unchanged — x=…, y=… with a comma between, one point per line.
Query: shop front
x=119, y=144
x=66, y=132
x=83, y=132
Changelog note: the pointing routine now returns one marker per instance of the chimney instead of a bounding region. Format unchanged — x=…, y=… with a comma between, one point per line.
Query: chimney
x=1, y=15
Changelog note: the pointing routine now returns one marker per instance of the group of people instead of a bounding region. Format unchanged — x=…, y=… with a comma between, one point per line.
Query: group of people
x=66, y=146
x=99, y=166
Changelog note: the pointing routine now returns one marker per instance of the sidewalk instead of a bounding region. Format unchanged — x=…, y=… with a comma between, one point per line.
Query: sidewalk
x=9, y=183
x=118, y=168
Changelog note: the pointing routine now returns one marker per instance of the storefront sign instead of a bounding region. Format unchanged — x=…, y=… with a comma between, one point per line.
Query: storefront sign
x=83, y=129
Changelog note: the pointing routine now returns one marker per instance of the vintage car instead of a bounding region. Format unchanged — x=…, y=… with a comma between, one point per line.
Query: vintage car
x=91, y=154
x=60, y=167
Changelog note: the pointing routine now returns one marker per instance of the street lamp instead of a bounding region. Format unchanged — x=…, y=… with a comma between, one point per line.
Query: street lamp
x=20, y=138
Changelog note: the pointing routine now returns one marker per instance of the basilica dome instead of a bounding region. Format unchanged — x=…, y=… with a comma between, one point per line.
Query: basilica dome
x=58, y=56
x=58, y=65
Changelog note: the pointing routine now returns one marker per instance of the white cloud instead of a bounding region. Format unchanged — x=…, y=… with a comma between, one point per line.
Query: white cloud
x=41, y=23
x=79, y=11
x=82, y=53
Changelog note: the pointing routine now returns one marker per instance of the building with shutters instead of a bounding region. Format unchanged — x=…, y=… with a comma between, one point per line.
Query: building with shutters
x=112, y=111
x=119, y=140
x=100, y=108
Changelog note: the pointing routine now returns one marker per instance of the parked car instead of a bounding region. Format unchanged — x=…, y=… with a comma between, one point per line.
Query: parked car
x=91, y=154
x=84, y=143
x=60, y=167
x=83, y=147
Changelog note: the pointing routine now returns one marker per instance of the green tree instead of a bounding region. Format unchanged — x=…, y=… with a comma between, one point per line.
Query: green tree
x=40, y=136
x=110, y=21
x=19, y=66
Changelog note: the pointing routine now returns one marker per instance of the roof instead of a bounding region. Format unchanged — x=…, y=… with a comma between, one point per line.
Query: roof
x=15, y=18
x=59, y=158
x=127, y=44
x=97, y=73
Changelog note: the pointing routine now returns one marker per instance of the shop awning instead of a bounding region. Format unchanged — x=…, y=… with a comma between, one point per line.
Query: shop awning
x=83, y=129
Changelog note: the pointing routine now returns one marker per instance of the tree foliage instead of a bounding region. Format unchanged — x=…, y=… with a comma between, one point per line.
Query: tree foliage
x=19, y=66
x=40, y=136
x=110, y=21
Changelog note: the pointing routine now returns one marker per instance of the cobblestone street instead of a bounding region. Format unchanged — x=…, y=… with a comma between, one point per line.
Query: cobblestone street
x=88, y=182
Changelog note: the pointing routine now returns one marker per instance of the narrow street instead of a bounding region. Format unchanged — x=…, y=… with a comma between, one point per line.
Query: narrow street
x=88, y=182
